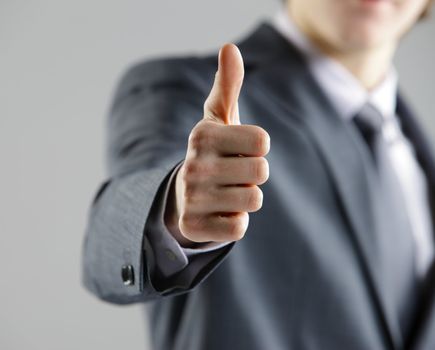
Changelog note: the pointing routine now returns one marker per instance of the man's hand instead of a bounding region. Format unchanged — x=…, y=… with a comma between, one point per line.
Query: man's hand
x=216, y=187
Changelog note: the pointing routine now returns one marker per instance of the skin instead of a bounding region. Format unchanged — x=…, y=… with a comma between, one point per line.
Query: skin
x=218, y=184
x=363, y=35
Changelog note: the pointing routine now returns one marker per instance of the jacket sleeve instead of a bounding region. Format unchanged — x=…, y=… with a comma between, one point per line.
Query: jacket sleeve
x=155, y=106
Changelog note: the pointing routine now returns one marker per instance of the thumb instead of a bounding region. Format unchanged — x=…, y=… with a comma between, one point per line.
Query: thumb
x=221, y=104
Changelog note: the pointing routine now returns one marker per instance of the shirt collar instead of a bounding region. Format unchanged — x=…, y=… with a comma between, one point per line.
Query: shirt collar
x=344, y=91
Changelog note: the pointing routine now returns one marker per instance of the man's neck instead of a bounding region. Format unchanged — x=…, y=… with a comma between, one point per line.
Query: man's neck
x=368, y=66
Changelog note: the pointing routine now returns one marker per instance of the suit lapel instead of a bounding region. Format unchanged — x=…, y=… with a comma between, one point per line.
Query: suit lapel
x=285, y=79
x=423, y=333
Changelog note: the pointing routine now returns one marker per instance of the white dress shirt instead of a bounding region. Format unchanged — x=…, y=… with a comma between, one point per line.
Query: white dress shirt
x=348, y=96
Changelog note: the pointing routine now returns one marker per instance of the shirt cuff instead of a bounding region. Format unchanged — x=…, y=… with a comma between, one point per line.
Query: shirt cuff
x=203, y=248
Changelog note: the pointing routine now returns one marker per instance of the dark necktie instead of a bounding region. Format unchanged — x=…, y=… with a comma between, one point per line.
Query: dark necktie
x=394, y=239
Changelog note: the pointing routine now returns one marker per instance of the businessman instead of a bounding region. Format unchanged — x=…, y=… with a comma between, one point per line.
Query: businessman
x=284, y=201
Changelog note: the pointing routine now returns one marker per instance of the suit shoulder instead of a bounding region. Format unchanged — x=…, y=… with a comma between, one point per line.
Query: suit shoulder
x=189, y=70
x=184, y=75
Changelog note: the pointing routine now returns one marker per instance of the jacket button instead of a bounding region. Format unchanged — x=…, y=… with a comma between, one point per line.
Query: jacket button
x=127, y=274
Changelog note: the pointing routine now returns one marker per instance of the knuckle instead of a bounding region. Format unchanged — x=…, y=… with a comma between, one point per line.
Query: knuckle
x=204, y=136
x=196, y=171
x=190, y=169
x=198, y=137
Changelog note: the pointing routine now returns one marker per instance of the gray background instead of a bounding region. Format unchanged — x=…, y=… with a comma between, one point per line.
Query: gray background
x=59, y=61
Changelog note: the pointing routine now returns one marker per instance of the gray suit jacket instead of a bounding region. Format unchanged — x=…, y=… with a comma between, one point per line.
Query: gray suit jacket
x=305, y=275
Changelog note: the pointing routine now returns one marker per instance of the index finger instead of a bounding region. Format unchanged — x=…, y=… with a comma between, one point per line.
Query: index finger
x=246, y=140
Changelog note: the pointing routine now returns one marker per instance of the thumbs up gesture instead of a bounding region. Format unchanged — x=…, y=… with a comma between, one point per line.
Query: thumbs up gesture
x=217, y=185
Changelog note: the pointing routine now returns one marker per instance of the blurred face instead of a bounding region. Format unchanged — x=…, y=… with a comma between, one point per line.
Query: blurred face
x=355, y=25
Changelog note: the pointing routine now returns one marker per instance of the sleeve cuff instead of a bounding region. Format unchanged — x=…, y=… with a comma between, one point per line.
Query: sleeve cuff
x=169, y=256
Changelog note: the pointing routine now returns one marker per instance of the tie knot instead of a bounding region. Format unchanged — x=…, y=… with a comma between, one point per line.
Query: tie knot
x=369, y=119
